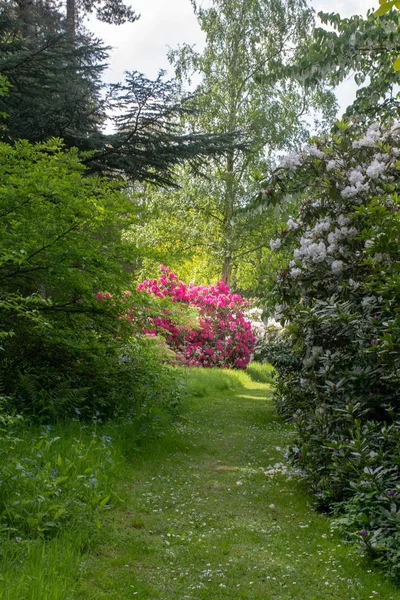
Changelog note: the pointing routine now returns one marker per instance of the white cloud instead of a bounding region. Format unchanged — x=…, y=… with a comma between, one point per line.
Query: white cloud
x=143, y=45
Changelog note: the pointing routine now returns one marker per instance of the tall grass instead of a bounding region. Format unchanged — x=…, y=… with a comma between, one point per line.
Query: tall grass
x=41, y=570
x=260, y=372
x=203, y=382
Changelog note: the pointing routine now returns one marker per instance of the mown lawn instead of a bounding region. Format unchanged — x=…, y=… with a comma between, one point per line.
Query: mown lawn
x=210, y=511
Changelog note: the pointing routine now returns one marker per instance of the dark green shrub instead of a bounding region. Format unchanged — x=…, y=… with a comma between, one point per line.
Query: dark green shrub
x=338, y=360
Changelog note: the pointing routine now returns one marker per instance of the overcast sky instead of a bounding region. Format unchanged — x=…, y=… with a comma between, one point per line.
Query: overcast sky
x=143, y=45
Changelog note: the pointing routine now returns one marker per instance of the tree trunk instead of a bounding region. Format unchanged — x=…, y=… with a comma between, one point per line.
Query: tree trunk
x=228, y=216
x=27, y=17
x=71, y=19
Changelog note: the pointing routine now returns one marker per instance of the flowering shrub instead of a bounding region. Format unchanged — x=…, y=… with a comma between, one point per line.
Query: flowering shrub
x=264, y=330
x=222, y=338
x=338, y=359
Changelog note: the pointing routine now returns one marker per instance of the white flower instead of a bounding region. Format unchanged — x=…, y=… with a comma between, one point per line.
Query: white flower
x=353, y=284
x=314, y=151
x=368, y=301
x=342, y=220
x=279, y=308
x=337, y=266
x=335, y=163
x=290, y=161
x=369, y=243
x=292, y=225
x=296, y=272
x=371, y=137
x=275, y=244
x=389, y=26
x=356, y=176
x=352, y=191
x=352, y=232
x=375, y=169
x=310, y=250
x=311, y=359
x=322, y=225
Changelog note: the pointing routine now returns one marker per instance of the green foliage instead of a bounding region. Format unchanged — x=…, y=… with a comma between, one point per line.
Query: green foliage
x=48, y=483
x=56, y=91
x=62, y=240
x=337, y=361
x=365, y=48
x=244, y=39
x=42, y=570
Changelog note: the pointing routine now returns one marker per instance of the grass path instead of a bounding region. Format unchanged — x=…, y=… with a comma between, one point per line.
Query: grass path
x=202, y=520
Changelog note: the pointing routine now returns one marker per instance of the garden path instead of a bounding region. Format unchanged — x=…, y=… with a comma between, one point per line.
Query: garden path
x=203, y=520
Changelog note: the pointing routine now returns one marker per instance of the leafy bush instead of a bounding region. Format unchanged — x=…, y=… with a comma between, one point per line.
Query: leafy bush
x=47, y=482
x=223, y=337
x=62, y=239
x=338, y=294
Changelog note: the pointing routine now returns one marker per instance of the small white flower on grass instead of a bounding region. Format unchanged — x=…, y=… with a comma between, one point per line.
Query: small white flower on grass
x=239, y=483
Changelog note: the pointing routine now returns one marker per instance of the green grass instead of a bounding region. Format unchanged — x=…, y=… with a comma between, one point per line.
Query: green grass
x=206, y=510
x=261, y=372
x=210, y=512
x=52, y=487
x=36, y=570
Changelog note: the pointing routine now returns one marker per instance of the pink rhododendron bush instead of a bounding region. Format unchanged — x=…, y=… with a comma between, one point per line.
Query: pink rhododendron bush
x=221, y=338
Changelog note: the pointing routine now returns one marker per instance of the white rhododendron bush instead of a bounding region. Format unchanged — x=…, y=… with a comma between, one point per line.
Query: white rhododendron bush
x=338, y=358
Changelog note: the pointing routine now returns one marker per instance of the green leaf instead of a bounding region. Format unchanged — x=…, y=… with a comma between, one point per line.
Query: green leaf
x=396, y=64
x=385, y=8
x=60, y=512
x=61, y=479
x=105, y=500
